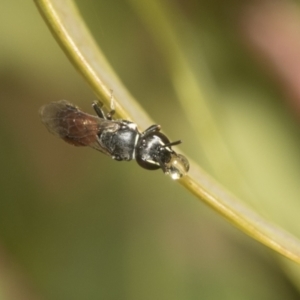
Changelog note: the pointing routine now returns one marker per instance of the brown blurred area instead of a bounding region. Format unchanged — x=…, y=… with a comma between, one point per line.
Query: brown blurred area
x=271, y=29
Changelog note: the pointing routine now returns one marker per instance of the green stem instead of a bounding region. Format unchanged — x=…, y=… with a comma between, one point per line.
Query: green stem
x=71, y=33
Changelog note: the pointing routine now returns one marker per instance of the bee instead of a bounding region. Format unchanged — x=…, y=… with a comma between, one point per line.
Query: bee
x=119, y=139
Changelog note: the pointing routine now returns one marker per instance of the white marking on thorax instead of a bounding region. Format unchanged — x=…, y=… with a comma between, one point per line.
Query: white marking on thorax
x=135, y=143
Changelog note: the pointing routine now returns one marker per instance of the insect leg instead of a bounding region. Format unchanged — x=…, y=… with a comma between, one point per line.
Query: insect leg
x=112, y=111
x=97, y=105
x=151, y=129
x=162, y=166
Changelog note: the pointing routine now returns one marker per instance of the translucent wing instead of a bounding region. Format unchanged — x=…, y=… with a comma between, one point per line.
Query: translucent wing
x=75, y=127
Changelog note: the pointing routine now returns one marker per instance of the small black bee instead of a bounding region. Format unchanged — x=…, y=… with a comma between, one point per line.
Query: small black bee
x=120, y=139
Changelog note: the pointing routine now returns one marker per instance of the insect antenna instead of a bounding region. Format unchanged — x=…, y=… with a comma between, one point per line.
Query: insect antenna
x=172, y=144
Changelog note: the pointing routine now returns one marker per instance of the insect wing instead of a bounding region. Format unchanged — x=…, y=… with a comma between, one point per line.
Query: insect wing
x=75, y=127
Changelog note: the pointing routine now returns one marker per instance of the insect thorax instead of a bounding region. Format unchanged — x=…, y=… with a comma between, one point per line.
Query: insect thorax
x=120, y=141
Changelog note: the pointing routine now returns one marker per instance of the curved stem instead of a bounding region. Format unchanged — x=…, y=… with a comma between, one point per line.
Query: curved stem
x=70, y=31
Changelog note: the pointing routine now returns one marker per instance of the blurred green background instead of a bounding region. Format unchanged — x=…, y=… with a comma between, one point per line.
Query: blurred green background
x=76, y=225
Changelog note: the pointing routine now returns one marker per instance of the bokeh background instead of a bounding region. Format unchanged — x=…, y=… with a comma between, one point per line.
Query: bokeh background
x=76, y=225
